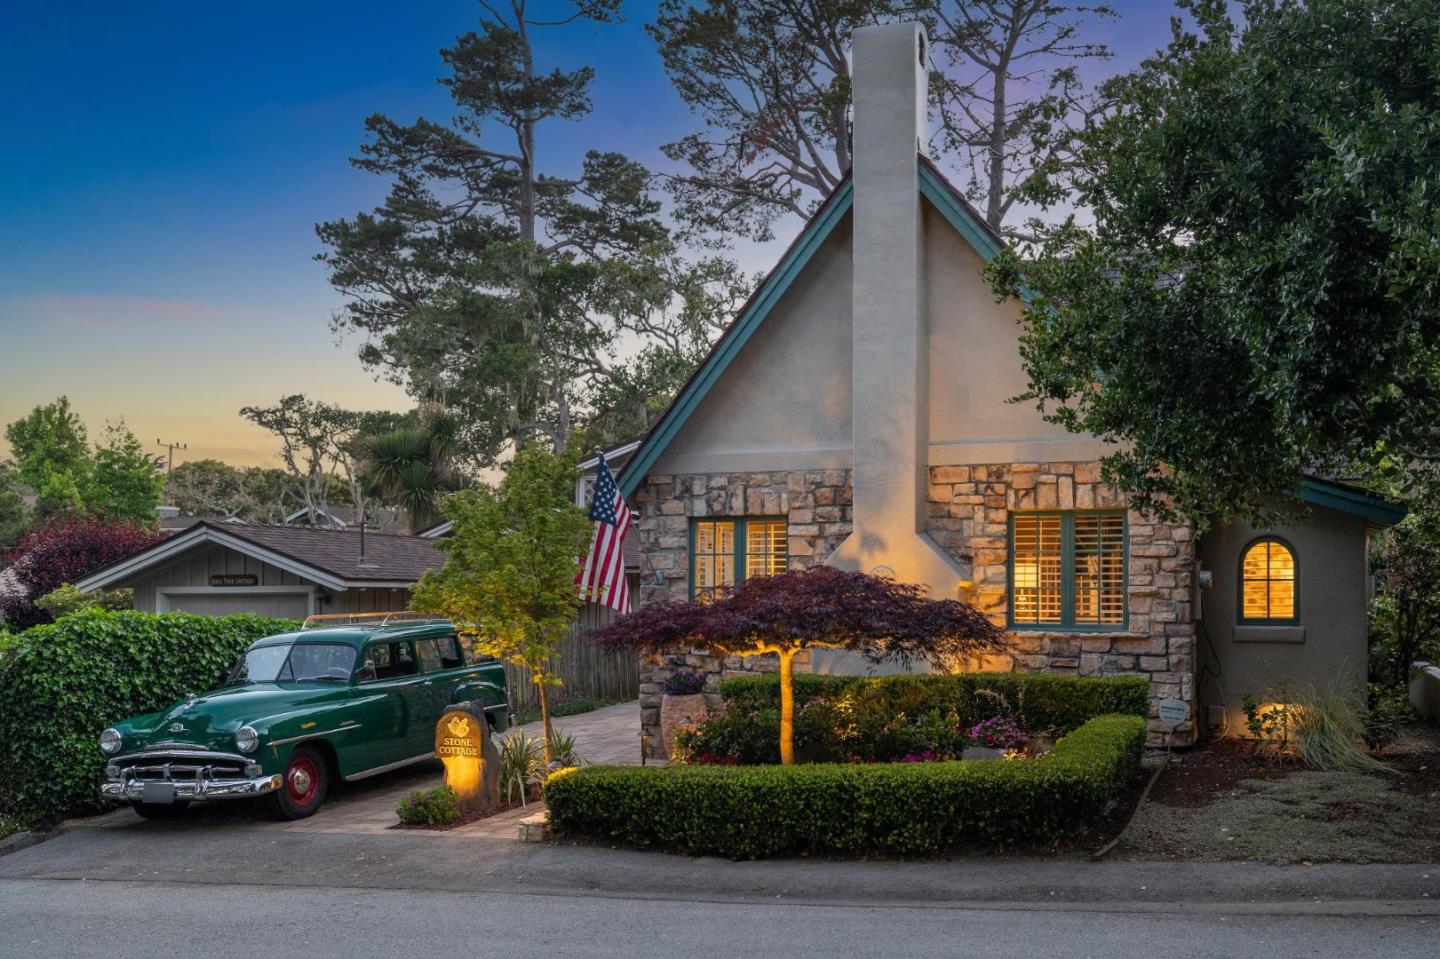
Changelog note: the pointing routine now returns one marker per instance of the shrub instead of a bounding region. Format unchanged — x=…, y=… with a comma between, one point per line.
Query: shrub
x=1386, y=710
x=429, y=807
x=1037, y=701
x=61, y=552
x=61, y=684
x=522, y=764
x=847, y=810
x=67, y=599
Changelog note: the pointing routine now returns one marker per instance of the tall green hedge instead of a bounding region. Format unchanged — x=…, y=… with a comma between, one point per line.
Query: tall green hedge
x=751, y=812
x=1039, y=700
x=61, y=684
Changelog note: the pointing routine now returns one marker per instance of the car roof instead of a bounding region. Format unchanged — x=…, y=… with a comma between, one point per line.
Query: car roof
x=359, y=635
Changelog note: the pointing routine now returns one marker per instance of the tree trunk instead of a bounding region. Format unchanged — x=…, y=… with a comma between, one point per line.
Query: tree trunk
x=787, y=709
x=545, y=721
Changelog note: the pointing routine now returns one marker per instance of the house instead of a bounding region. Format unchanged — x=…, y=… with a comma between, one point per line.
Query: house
x=221, y=567
x=856, y=413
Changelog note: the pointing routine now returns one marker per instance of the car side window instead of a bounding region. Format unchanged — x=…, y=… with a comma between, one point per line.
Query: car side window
x=449, y=653
x=404, y=653
x=377, y=663
x=427, y=651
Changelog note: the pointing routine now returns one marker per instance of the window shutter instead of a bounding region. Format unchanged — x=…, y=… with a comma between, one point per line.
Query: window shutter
x=1099, y=569
x=1036, y=568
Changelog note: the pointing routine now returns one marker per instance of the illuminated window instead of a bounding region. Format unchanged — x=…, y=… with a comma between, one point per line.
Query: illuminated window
x=1267, y=582
x=1067, y=570
x=723, y=551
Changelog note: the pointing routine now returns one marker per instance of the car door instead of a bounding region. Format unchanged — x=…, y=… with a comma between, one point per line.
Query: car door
x=394, y=707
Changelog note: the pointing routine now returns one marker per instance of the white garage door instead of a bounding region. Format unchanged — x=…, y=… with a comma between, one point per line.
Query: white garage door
x=226, y=602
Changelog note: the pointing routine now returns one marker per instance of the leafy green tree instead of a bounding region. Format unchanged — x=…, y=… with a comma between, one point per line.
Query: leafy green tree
x=1256, y=294
x=124, y=483
x=49, y=442
x=318, y=444
x=510, y=566
x=770, y=80
x=487, y=281
x=14, y=514
x=208, y=487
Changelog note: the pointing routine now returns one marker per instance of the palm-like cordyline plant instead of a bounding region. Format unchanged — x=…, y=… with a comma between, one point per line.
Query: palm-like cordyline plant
x=820, y=607
x=412, y=468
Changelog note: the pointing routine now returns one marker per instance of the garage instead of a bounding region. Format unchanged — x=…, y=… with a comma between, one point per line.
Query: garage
x=221, y=568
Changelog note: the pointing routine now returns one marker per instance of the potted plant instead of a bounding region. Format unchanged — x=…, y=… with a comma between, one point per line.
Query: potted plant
x=683, y=705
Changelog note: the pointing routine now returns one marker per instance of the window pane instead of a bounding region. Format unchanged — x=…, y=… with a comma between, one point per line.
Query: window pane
x=714, y=561
x=1099, y=569
x=765, y=547
x=1267, y=588
x=1037, y=566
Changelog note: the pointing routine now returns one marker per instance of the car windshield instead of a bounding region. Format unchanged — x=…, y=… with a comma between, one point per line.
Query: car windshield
x=294, y=663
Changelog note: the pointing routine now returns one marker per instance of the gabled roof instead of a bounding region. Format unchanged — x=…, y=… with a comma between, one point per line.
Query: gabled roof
x=1351, y=499
x=330, y=557
x=933, y=186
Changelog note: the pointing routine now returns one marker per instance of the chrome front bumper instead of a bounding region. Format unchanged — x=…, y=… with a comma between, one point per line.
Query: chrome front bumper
x=192, y=775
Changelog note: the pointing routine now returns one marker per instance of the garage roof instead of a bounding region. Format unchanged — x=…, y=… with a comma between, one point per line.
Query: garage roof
x=330, y=557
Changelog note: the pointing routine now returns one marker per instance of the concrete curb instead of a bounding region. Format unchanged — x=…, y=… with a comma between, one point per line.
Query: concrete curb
x=26, y=838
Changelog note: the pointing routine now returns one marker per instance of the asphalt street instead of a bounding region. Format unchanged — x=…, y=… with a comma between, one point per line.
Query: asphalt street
x=70, y=919
x=128, y=888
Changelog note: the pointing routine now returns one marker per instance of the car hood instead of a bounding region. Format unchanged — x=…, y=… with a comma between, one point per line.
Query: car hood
x=210, y=719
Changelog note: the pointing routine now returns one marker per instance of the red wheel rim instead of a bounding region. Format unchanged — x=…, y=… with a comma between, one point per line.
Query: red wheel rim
x=302, y=779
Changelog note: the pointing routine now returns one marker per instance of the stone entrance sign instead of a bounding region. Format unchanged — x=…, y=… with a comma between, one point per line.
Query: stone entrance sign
x=472, y=763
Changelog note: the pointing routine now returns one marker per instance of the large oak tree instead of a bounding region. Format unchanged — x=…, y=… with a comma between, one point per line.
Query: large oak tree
x=1255, y=292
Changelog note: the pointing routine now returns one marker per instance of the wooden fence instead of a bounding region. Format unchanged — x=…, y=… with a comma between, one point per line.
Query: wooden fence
x=586, y=672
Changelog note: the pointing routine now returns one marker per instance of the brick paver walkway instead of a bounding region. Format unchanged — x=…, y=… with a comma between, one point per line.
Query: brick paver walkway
x=610, y=736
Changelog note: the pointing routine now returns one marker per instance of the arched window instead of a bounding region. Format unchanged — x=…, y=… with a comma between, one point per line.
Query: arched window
x=1269, y=583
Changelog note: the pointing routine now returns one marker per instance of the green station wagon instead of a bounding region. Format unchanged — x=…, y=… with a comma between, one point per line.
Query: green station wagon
x=334, y=700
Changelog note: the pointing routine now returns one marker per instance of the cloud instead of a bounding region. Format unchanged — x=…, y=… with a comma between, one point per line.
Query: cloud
x=108, y=310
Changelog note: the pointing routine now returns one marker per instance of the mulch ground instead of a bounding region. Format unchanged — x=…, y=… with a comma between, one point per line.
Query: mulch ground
x=1222, y=801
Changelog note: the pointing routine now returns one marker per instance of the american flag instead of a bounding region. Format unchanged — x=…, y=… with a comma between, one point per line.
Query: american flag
x=602, y=578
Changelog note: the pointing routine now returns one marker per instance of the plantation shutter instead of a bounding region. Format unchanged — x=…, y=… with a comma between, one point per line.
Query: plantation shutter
x=765, y=547
x=1037, y=569
x=1099, y=569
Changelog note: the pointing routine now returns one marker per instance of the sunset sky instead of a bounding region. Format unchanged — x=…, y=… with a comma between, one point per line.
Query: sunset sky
x=165, y=164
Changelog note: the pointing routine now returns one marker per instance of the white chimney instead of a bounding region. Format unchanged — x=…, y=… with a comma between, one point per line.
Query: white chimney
x=890, y=396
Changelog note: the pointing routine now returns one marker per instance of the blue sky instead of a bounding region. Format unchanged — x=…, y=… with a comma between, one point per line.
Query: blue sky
x=165, y=164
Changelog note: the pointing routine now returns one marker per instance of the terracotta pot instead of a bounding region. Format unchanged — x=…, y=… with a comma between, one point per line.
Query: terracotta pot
x=677, y=713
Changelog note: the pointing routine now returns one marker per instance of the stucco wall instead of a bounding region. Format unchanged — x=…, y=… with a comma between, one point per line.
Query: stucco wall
x=975, y=368
x=1328, y=648
x=784, y=401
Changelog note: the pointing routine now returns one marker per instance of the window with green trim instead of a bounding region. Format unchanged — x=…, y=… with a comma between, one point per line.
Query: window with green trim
x=725, y=551
x=1067, y=570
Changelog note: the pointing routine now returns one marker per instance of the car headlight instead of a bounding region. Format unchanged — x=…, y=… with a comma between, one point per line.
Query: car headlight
x=110, y=742
x=246, y=739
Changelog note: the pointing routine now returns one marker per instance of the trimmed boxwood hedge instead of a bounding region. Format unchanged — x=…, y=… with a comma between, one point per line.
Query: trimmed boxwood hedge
x=751, y=812
x=1038, y=700
x=62, y=683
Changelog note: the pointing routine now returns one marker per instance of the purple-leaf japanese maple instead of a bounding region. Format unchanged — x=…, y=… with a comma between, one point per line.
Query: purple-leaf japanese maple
x=820, y=607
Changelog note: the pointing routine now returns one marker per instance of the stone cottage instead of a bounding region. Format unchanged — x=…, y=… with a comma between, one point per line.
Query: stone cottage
x=855, y=413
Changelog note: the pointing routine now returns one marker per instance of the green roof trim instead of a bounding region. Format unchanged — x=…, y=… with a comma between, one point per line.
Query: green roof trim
x=1348, y=499
x=816, y=232
x=958, y=213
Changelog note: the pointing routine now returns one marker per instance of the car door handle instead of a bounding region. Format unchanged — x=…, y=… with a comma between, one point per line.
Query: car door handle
x=428, y=682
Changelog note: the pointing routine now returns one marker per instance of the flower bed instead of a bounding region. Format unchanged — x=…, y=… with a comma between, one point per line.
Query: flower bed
x=750, y=812
x=910, y=718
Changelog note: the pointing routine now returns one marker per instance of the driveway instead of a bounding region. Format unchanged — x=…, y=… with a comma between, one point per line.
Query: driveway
x=610, y=736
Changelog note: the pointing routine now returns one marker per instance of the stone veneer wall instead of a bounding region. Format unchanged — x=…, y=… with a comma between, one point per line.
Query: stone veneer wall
x=968, y=513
